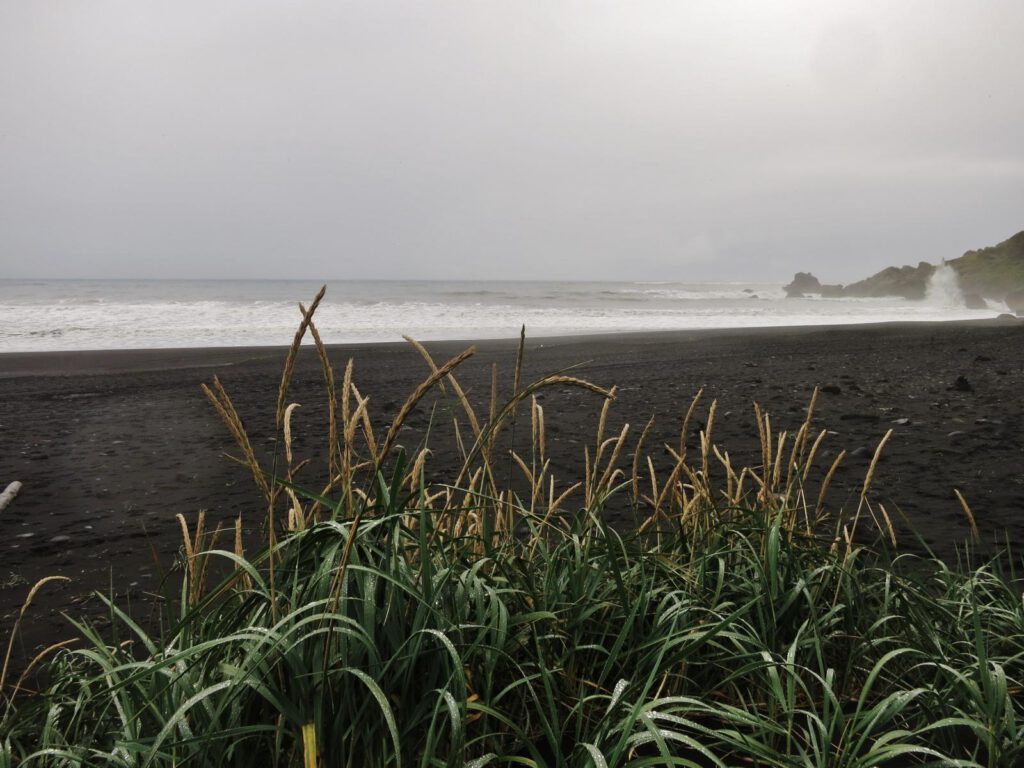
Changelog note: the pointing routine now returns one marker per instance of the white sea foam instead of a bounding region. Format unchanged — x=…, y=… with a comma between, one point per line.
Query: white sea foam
x=943, y=288
x=68, y=315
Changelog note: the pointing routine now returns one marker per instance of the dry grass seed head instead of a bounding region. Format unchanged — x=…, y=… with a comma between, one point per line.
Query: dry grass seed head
x=537, y=426
x=813, y=452
x=759, y=418
x=347, y=389
x=677, y=470
x=769, y=436
x=608, y=477
x=474, y=423
x=636, y=460
x=810, y=417
x=518, y=377
x=874, y=464
x=17, y=623
x=601, y=423
x=684, y=430
x=798, y=443
x=364, y=420
x=706, y=438
x=970, y=516
x=417, y=395
x=826, y=482
x=527, y=473
x=777, y=463
x=652, y=499
x=18, y=686
x=226, y=409
x=288, y=432
x=297, y=520
x=888, y=525
x=293, y=351
x=332, y=396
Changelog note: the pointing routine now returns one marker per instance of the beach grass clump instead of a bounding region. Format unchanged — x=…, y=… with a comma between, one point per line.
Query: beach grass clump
x=393, y=617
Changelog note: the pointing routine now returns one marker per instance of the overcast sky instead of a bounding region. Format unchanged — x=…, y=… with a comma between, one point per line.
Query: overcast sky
x=674, y=140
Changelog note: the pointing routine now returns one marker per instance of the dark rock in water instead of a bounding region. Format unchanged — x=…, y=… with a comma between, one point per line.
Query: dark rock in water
x=962, y=385
x=748, y=290
x=754, y=296
x=982, y=359
x=803, y=282
x=974, y=301
x=832, y=389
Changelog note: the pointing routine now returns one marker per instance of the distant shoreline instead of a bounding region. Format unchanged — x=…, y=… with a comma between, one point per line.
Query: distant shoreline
x=97, y=361
x=106, y=315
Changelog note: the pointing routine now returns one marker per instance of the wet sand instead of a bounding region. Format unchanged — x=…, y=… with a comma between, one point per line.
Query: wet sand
x=110, y=446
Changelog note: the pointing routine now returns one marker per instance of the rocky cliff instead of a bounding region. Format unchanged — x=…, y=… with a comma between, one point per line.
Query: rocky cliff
x=908, y=282
x=996, y=271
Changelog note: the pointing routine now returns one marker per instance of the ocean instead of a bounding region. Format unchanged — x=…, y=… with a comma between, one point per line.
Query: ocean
x=59, y=315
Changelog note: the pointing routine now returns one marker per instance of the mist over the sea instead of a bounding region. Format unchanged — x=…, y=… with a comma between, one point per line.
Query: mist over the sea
x=558, y=140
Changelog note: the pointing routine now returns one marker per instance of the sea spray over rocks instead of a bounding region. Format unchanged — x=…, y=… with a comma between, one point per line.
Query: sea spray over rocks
x=943, y=288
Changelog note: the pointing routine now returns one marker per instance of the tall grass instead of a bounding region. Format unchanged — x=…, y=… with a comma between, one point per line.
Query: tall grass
x=390, y=618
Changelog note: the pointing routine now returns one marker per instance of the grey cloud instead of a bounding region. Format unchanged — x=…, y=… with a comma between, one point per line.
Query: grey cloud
x=647, y=140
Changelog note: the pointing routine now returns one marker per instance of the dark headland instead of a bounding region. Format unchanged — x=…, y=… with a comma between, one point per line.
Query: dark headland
x=995, y=272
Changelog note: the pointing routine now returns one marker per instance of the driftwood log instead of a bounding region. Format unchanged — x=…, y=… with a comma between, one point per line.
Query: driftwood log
x=8, y=495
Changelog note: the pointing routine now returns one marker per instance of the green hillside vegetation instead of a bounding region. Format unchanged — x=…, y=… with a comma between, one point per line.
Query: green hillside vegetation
x=993, y=271
x=909, y=282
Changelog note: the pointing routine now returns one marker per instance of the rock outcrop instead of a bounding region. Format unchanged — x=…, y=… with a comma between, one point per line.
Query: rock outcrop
x=803, y=282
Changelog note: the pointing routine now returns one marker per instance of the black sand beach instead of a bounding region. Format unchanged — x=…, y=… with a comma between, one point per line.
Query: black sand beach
x=110, y=446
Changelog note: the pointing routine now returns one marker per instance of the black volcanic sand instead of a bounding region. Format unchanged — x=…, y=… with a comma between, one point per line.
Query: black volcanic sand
x=110, y=446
